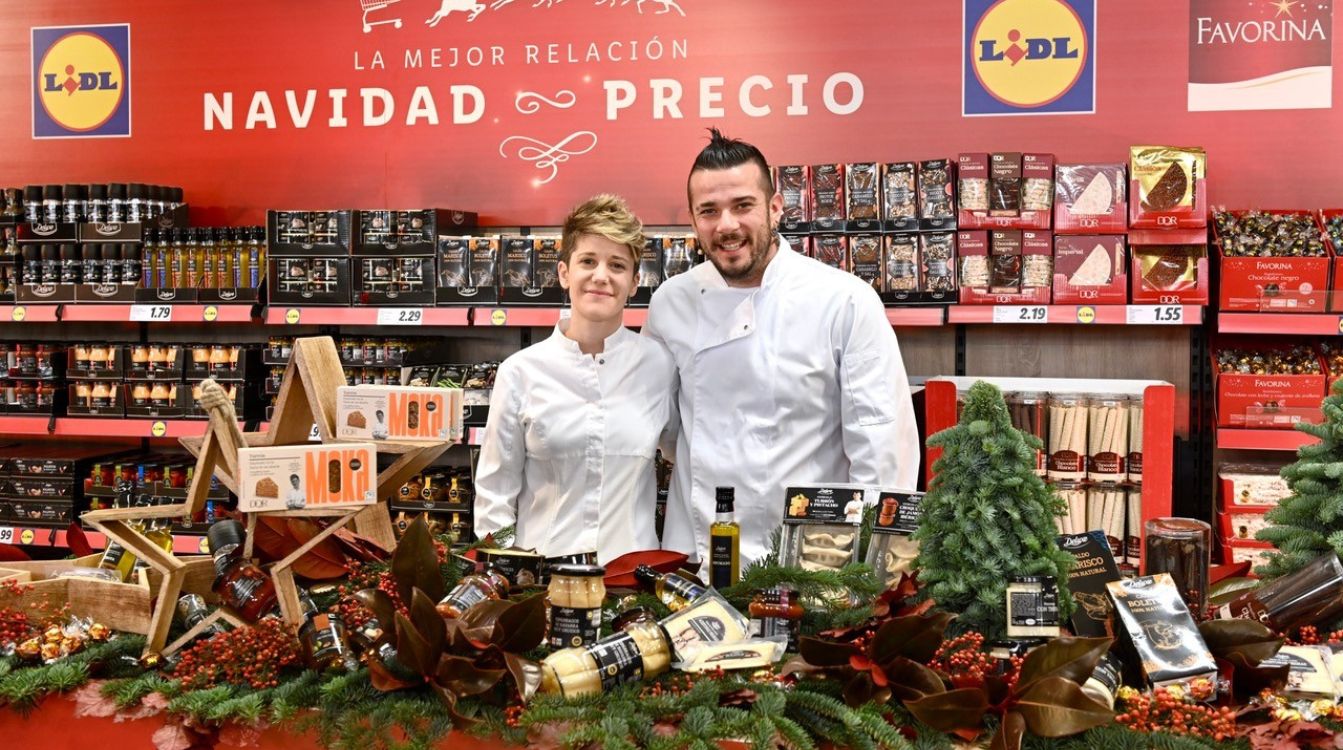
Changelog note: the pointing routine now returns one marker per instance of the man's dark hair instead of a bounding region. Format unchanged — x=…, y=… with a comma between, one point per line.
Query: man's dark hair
x=726, y=153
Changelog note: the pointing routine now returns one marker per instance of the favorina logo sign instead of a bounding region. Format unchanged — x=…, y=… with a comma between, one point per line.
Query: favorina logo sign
x=1260, y=54
x=1028, y=57
x=81, y=81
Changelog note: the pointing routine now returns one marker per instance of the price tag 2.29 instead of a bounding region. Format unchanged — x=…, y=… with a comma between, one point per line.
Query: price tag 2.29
x=1158, y=315
x=151, y=313
x=1020, y=314
x=400, y=316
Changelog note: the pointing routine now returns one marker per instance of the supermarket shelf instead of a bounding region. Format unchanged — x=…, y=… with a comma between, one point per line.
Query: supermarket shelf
x=368, y=316
x=1105, y=315
x=29, y=313
x=158, y=313
x=102, y=427
x=916, y=316
x=1281, y=323
x=539, y=317
x=42, y=536
x=1262, y=440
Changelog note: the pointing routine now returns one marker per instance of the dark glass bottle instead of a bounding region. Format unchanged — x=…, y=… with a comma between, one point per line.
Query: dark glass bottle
x=241, y=584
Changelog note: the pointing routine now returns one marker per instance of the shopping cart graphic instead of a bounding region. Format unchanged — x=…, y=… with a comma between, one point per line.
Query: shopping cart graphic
x=369, y=6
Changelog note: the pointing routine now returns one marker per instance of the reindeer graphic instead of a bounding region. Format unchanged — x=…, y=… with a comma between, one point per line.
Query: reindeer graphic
x=448, y=6
x=666, y=5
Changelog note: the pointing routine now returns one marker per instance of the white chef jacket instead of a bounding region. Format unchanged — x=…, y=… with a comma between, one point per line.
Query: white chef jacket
x=568, y=448
x=797, y=381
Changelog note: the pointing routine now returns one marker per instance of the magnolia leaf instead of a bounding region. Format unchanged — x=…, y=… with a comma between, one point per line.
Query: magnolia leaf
x=1248, y=638
x=384, y=610
x=464, y=677
x=276, y=538
x=172, y=737
x=415, y=563
x=798, y=665
x=1073, y=659
x=522, y=626
x=819, y=653
x=1056, y=707
x=481, y=622
x=360, y=547
x=450, y=701
x=914, y=636
x=910, y=680
x=1010, y=732
x=861, y=690
x=382, y=678
x=955, y=709
x=526, y=675
x=428, y=623
x=1226, y=591
x=412, y=649
x=75, y=539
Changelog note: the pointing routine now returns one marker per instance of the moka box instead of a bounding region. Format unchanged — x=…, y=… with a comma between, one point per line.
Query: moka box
x=396, y=412
x=293, y=477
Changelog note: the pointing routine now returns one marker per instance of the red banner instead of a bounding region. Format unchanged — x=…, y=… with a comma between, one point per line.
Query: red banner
x=520, y=108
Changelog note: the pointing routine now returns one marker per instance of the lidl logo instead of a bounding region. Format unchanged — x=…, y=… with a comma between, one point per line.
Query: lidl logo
x=81, y=81
x=1029, y=57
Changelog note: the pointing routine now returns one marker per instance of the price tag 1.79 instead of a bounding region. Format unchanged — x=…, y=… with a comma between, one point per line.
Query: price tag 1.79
x=400, y=316
x=151, y=313
x=1020, y=314
x=1155, y=315
x=6, y=534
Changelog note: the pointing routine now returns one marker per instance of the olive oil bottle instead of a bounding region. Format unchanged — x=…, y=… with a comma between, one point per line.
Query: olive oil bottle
x=724, y=541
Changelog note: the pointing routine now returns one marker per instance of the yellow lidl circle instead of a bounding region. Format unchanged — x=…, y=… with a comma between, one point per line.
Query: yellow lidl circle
x=291, y=316
x=158, y=429
x=1086, y=314
x=81, y=81
x=1028, y=53
x=18, y=314
x=27, y=536
x=205, y=546
x=499, y=317
x=210, y=313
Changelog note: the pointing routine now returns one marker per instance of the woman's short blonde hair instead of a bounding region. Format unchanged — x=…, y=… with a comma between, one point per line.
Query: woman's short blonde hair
x=605, y=216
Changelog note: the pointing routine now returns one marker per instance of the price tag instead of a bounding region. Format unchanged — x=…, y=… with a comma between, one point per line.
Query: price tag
x=6, y=534
x=1155, y=315
x=313, y=435
x=1020, y=314
x=151, y=313
x=400, y=316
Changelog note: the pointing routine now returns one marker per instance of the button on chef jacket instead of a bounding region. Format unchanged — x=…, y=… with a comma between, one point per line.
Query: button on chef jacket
x=799, y=380
x=568, y=449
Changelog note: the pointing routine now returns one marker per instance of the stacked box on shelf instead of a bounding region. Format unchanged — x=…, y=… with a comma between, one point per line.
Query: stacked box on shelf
x=236, y=368
x=1004, y=267
x=42, y=484
x=150, y=479
x=1268, y=386
x=308, y=256
x=475, y=380
x=1246, y=493
x=394, y=254
x=468, y=269
x=1272, y=261
x=443, y=496
x=98, y=377
x=1168, y=213
x=154, y=388
x=371, y=359
x=203, y=264
x=664, y=256
x=1331, y=219
x=32, y=378
x=1006, y=190
x=11, y=215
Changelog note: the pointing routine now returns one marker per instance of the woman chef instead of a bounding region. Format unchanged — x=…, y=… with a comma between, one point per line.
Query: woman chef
x=575, y=420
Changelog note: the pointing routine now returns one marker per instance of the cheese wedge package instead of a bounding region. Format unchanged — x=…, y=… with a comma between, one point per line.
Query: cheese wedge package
x=1089, y=269
x=1090, y=198
x=1168, y=189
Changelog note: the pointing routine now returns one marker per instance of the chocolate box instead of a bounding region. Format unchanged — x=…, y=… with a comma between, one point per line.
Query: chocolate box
x=291, y=477
x=1241, y=525
x=1267, y=400
x=1090, y=199
x=973, y=248
x=863, y=197
x=1167, y=187
x=403, y=280
x=1006, y=191
x=381, y=232
x=1274, y=283
x=319, y=233
x=1255, y=553
x=529, y=271
x=1332, y=221
x=402, y=413
x=937, y=194
x=827, y=197
x=1169, y=274
x=309, y=280
x=1089, y=269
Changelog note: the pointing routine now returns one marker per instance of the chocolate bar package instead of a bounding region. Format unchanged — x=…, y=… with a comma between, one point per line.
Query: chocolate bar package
x=650, y=264
x=1037, y=259
x=937, y=205
x=793, y=182
x=1004, y=261
x=827, y=197
x=899, y=197
x=1037, y=184
x=466, y=269
x=832, y=250
x=453, y=256
x=937, y=261
x=973, y=250
x=864, y=201
x=800, y=243
x=1090, y=198
x=1161, y=631
x=678, y=255
x=865, y=252
x=1089, y=269
x=1005, y=184
x=1168, y=187
x=484, y=258
x=1094, y=568
x=1168, y=268
x=517, y=266
x=973, y=171
x=546, y=263
x=901, y=263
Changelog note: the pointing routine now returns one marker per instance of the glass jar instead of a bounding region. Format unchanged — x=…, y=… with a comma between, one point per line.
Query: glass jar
x=139, y=356
x=219, y=357
x=1107, y=440
x=1181, y=547
x=1067, y=444
x=101, y=396
x=158, y=357
x=639, y=652
x=83, y=393
x=140, y=394
x=241, y=584
x=576, y=593
x=777, y=611
x=159, y=394
x=200, y=357
x=45, y=395
x=1028, y=412
x=473, y=590
x=81, y=356
x=325, y=643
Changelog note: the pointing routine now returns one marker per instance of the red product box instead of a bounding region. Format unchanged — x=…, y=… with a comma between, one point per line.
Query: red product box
x=1335, y=250
x=1333, y=364
x=1033, y=175
x=1266, y=400
x=1256, y=553
x=1251, y=487
x=1168, y=188
x=1090, y=199
x=1273, y=284
x=1089, y=269
x=1169, y=274
x=1242, y=524
x=975, y=271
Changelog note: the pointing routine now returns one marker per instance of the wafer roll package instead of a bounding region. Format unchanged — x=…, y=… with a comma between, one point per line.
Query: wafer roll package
x=1107, y=441
x=1067, y=442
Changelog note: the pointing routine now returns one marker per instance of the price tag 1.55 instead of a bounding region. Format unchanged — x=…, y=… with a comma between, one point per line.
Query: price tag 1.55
x=1020, y=314
x=151, y=313
x=1155, y=315
x=400, y=316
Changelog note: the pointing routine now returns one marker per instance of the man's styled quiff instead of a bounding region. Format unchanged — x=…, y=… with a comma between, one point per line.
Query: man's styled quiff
x=726, y=153
x=603, y=216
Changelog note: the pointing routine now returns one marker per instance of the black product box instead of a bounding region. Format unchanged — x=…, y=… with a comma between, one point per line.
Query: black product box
x=53, y=459
x=407, y=232
x=46, y=364
x=648, y=275
x=132, y=231
x=111, y=400
x=52, y=403
x=1094, y=568
x=38, y=511
x=390, y=281
x=680, y=253
x=45, y=487
x=308, y=233
x=529, y=271
x=863, y=197
x=226, y=363
x=9, y=277
x=309, y=280
x=793, y=182
x=44, y=293
x=59, y=232
x=121, y=293
x=937, y=194
x=467, y=267
x=169, y=295
x=230, y=295
x=191, y=408
x=158, y=362
x=475, y=415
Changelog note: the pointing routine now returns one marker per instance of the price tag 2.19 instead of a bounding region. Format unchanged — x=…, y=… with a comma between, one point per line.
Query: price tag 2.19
x=1020, y=314
x=151, y=313
x=1155, y=315
x=400, y=316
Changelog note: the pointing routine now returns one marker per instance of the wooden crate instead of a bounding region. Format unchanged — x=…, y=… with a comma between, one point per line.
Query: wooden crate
x=120, y=606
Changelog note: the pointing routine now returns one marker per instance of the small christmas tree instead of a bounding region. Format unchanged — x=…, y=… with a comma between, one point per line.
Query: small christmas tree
x=987, y=516
x=1309, y=522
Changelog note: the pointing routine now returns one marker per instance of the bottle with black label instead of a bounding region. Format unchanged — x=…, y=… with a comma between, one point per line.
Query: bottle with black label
x=472, y=590
x=148, y=270
x=72, y=204
x=117, y=207
x=95, y=205
x=50, y=269
x=138, y=208
x=51, y=204
x=111, y=264
x=155, y=202
x=32, y=204
x=192, y=275
x=130, y=265
x=724, y=541
x=256, y=257
x=177, y=263
x=70, y=265
x=32, y=264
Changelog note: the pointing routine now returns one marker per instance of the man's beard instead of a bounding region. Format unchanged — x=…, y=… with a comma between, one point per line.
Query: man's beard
x=761, y=244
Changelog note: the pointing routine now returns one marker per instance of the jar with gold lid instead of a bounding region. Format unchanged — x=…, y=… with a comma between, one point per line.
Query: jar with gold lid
x=140, y=394
x=639, y=652
x=472, y=590
x=159, y=394
x=576, y=593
